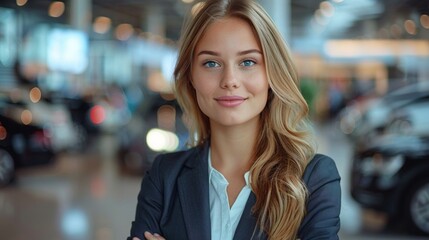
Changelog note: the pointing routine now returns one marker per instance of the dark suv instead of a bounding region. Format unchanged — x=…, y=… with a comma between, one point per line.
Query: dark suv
x=390, y=172
x=21, y=145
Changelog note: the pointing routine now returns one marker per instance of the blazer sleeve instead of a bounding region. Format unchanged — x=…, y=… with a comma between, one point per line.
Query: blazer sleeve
x=322, y=219
x=149, y=204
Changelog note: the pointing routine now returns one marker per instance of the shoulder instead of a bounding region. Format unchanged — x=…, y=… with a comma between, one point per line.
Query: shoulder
x=320, y=170
x=174, y=160
x=169, y=165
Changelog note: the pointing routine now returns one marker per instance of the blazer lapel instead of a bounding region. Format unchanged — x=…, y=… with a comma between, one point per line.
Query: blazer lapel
x=247, y=227
x=194, y=197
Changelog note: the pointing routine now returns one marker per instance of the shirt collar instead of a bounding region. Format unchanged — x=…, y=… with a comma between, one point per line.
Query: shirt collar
x=211, y=169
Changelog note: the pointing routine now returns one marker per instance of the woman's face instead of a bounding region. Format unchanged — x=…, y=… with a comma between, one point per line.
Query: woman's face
x=228, y=73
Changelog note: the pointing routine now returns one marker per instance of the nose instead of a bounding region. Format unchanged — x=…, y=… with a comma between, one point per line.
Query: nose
x=229, y=78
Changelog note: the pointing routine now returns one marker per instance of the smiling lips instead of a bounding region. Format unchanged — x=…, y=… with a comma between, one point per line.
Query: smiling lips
x=230, y=101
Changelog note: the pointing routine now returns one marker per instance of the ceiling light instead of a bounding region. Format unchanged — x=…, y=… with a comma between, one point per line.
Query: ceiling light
x=395, y=30
x=124, y=31
x=410, y=27
x=424, y=21
x=21, y=2
x=26, y=117
x=56, y=9
x=327, y=8
x=102, y=24
x=35, y=95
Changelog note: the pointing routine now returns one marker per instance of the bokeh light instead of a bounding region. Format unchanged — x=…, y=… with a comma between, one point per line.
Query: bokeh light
x=424, y=21
x=3, y=133
x=166, y=116
x=160, y=140
x=327, y=8
x=75, y=224
x=124, y=31
x=97, y=114
x=56, y=9
x=26, y=117
x=396, y=31
x=410, y=27
x=102, y=25
x=35, y=94
x=21, y=2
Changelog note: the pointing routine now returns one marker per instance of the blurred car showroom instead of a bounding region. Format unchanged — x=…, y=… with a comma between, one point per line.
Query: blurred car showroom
x=86, y=104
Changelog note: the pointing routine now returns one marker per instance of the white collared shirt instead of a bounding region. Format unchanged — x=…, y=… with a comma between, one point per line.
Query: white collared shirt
x=224, y=220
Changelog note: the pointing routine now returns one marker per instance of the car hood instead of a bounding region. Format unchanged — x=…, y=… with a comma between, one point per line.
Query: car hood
x=399, y=144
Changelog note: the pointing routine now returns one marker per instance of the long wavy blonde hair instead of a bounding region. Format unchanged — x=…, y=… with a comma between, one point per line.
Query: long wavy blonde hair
x=284, y=145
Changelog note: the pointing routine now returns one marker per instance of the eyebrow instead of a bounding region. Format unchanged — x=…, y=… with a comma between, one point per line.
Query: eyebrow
x=239, y=53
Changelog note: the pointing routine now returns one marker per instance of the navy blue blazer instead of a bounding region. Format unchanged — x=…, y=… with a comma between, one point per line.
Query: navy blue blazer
x=174, y=200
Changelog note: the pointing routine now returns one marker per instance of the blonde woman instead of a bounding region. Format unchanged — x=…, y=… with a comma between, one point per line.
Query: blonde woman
x=252, y=172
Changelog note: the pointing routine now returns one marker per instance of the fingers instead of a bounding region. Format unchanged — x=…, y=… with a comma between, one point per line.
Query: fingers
x=150, y=236
x=134, y=238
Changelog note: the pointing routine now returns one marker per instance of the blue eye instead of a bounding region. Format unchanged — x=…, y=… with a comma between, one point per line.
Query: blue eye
x=247, y=63
x=211, y=64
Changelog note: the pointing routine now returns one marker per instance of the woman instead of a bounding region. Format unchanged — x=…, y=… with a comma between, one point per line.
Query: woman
x=252, y=172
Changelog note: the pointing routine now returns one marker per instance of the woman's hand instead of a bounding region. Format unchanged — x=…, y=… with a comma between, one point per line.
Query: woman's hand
x=150, y=236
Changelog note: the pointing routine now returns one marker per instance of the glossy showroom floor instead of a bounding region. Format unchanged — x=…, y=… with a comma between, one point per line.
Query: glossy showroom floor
x=83, y=196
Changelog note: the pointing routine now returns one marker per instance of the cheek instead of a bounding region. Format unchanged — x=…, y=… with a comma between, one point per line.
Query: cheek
x=203, y=92
x=259, y=84
x=203, y=84
x=202, y=89
x=202, y=103
x=197, y=82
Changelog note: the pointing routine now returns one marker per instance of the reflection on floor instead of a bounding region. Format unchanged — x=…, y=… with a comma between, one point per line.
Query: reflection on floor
x=83, y=196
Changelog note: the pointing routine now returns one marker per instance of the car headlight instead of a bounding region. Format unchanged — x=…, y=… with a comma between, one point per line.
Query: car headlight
x=379, y=164
x=160, y=140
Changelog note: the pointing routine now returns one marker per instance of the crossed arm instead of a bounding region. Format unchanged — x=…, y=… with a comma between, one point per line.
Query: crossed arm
x=150, y=236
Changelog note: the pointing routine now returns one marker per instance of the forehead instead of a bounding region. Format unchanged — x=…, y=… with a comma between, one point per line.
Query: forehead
x=229, y=30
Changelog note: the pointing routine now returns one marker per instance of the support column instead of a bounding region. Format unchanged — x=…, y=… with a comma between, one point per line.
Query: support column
x=154, y=22
x=80, y=18
x=280, y=12
x=81, y=15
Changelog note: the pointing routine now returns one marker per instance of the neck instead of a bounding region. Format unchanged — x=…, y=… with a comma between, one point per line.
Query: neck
x=232, y=147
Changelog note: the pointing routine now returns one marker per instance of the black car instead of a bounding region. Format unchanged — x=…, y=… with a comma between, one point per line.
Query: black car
x=368, y=117
x=21, y=145
x=156, y=127
x=80, y=108
x=390, y=169
x=391, y=176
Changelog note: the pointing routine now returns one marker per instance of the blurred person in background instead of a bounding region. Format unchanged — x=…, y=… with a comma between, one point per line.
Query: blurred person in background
x=252, y=171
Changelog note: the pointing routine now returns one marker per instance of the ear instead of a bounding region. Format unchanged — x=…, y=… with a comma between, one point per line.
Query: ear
x=191, y=81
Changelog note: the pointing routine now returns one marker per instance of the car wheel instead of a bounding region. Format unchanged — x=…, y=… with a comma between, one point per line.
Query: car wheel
x=418, y=208
x=7, y=168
